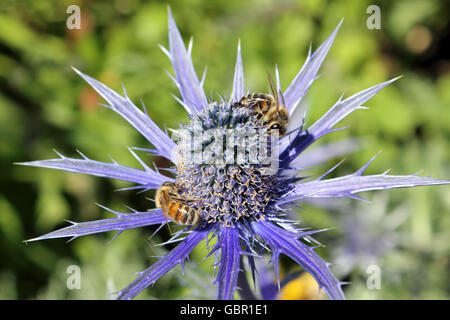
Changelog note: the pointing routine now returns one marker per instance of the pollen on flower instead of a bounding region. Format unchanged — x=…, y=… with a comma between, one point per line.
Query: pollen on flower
x=221, y=169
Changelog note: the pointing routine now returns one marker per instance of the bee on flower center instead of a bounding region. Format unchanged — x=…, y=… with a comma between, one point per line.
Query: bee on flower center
x=175, y=207
x=268, y=109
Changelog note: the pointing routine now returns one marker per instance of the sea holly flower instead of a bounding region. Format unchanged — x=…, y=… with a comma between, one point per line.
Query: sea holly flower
x=243, y=205
x=366, y=238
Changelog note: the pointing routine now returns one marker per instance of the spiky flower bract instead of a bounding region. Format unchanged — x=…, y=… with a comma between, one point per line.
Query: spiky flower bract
x=243, y=206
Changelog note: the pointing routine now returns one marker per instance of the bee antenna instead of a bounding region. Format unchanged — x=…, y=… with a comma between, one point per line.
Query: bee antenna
x=272, y=86
x=282, y=99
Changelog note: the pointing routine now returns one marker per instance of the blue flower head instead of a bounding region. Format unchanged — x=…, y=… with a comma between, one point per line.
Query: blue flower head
x=244, y=204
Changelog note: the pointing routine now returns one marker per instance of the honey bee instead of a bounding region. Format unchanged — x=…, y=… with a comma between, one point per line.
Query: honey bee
x=268, y=109
x=173, y=206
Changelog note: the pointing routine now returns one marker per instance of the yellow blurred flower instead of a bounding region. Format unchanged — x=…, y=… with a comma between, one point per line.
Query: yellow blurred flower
x=304, y=287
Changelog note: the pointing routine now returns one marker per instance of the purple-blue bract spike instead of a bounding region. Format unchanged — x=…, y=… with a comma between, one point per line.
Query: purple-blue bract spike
x=147, y=178
x=187, y=81
x=163, y=265
x=307, y=74
x=123, y=221
x=136, y=117
x=285, y=242
x=238, y=80
x=349, y=185
x=343, y=108
x=229, y=262
x=326, y=123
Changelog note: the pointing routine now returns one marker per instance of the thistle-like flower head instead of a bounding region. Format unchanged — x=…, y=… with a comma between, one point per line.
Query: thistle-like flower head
x=241, y=179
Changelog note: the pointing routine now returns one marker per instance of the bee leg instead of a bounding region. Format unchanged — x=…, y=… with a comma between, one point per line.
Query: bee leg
x=168, y=225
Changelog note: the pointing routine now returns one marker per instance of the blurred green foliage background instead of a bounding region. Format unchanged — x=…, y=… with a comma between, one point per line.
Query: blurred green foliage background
x=44, y=105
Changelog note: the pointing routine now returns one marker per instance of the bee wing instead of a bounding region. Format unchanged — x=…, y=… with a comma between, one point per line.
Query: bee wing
x=175, y=196
x=183, y=201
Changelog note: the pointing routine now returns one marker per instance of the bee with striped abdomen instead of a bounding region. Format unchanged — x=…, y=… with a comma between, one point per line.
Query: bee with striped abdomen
x=268, y=109
x=173, y=206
